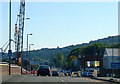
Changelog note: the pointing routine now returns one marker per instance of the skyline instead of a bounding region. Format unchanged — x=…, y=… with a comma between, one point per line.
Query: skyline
x=64, y=23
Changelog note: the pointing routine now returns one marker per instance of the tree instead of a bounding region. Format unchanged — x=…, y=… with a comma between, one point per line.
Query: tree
x=116, y=45
x=93, y=49
x=97, y=48
x=59, y=60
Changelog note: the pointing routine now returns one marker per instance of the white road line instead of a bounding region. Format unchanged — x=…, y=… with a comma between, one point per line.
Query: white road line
x=60, y=79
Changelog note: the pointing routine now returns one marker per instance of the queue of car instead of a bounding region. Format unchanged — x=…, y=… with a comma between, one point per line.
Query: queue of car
x=45, y=70
x=87, y=74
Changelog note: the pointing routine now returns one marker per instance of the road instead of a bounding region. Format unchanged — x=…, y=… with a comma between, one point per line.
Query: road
x=16, y=79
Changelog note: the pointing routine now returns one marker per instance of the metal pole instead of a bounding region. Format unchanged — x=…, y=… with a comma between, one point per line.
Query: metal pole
x=9, y=52
x=83, y=62
x=2, y=53
x=27, y=42
x=27, y=51
x=112, y=56
x=29, y=47
x=29, y=58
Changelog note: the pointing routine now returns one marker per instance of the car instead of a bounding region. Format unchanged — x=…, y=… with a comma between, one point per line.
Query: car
x=67, y=73
x=90, y=74
x=61, y=73
x=75, y=73
x=44, y=70
x=33, y=71
x=55, y=73
x=84, y=74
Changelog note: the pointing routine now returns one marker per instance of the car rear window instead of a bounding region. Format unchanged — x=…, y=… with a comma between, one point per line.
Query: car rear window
x=54, y=71
x=45, y=67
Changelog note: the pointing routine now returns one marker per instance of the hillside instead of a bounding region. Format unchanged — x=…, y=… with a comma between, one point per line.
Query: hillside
x=48, y=53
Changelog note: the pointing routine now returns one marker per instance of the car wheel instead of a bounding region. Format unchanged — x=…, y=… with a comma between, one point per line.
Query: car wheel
x=49, y=75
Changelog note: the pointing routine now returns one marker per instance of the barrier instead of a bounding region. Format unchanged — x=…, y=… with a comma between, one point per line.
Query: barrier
x=78, y=74
x=72, y=74
x=14, y=69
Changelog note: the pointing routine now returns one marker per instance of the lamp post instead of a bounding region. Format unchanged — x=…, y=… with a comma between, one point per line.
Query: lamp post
x=27, y=48
x=83, y=60
x=112, y=58
x=27, y=40
x=30, y=45
x=9, y=51
x=2, y=53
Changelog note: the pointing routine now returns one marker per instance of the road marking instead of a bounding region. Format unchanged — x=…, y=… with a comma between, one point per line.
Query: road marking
x=92, y=80
x=60, y=79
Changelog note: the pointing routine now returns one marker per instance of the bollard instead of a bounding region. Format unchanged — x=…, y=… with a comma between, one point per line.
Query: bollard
x=67, y=74
x=72, y=74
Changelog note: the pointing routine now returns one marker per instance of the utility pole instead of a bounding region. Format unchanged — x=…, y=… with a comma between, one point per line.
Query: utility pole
x=9, y=51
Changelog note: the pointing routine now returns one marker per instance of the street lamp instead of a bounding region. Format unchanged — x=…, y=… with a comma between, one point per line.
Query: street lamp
x=29, y=49
x=27, y=46
x=27, y=18
x=27, y=40
x=30, y=45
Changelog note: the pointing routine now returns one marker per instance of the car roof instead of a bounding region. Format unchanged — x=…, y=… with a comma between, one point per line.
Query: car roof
x=44, y=66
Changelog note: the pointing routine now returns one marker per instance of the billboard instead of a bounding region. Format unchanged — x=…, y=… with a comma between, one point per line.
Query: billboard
x=115, y=65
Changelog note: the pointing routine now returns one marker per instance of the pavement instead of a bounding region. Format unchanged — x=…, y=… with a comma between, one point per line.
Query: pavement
x=109, y=79
x=4, y=71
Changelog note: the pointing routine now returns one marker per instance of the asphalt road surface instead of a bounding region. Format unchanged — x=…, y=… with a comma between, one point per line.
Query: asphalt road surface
x=16, y=79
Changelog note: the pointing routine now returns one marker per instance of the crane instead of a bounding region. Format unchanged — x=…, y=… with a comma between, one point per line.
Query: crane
x=19, y=31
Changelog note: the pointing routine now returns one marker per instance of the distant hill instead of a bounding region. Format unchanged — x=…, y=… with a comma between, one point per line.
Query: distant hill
x=48, y=53
x=109, y=40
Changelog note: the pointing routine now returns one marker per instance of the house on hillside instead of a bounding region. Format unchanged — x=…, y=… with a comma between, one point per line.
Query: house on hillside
x=111, y=61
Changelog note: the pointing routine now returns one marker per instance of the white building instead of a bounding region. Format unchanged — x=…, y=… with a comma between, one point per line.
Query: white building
x=111, y=59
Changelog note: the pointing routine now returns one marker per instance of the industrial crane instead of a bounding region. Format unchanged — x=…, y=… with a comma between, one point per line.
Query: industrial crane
x=19, y=30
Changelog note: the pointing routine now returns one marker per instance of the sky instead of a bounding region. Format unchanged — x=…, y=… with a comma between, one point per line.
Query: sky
x=62, y=23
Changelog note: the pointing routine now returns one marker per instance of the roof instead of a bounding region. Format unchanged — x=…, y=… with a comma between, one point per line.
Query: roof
x=112, y=52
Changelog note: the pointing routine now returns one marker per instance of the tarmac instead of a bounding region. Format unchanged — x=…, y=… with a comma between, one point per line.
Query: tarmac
x=107, y=79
